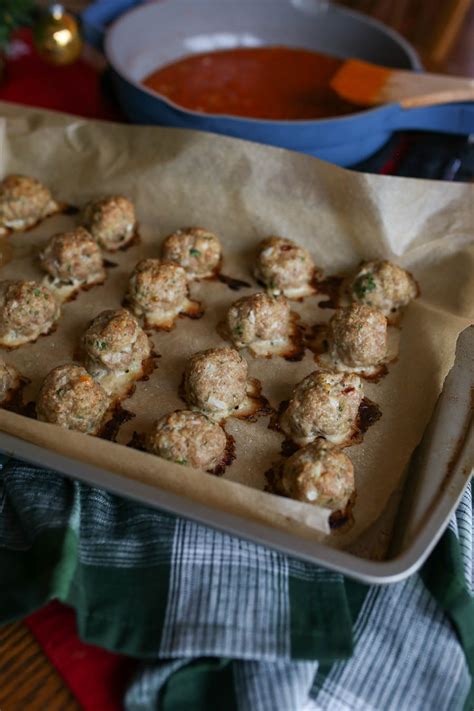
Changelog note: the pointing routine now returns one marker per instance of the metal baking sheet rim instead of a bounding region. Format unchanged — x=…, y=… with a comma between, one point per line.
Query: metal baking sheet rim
x=454, y=407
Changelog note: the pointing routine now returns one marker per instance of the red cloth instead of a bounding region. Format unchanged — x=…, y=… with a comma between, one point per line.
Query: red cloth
x=393, y=163
x=97, y=678
x=75, y=88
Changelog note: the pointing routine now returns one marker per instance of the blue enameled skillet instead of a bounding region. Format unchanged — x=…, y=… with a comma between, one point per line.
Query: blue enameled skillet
x=154, y=34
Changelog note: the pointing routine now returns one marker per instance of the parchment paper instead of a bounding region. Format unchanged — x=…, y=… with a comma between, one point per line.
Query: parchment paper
x=244, y=192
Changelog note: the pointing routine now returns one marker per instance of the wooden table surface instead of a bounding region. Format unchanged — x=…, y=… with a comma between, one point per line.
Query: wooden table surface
x=28, y=682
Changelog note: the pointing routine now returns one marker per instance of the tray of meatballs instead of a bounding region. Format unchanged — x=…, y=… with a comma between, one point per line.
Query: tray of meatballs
x=241, y=374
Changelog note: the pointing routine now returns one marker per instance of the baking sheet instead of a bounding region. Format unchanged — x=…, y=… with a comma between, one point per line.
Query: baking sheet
x=244, y=192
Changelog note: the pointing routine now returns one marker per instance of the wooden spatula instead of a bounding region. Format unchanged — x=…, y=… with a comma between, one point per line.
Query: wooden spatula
x=367, y=84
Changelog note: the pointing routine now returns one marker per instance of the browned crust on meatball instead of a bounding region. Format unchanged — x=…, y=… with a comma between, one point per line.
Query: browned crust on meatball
x=277, y=483
x=139, y=441
x=187, y=247
x=28, y=310
x=143, y=300
x=284, y=267
x=383, y=285
x=245, y=397
x=25, y=199
x=73, y=263
x=112, y=222
x=70, y=398
x=111, y=333
x=323, y=405
x=318, y=341
x=117, y=352
x=193, y=310
x=339, y=289
x=289, y=342
x=190, y=438
x=368, y=414
x=215, y=381
x=12, y=394
x=358, y=336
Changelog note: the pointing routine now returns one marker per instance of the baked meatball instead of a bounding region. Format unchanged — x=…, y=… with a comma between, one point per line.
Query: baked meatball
x=189, y=438
x=260, y=322
x=71, y=398
x=384, y=286
x=357, y=337
x=111, y=221
x=115, y=348
x=10, y=381
x=285, y=268
x=71, y=260
x=323, y=405
x=24, y=201
x=318, y=474
x=27, y=310
x=159, y=291
x=215, y=381
x=195, y=249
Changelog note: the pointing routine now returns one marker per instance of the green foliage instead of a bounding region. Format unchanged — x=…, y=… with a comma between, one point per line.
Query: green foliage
x=364, y=284
x=14, y=14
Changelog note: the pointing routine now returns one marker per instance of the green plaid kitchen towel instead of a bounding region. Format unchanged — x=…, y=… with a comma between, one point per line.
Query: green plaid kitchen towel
x=223, y=624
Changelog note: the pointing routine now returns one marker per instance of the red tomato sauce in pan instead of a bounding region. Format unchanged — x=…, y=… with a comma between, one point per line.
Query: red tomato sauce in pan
x=258, y=82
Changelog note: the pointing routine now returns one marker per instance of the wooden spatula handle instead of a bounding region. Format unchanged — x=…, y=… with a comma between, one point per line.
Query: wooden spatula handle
x=431, y=89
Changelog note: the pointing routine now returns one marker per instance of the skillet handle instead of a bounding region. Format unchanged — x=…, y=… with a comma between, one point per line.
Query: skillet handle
x=447, y=118
x=97, y=16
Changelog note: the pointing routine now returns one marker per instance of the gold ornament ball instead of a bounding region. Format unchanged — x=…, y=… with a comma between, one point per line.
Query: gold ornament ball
x=57, y=38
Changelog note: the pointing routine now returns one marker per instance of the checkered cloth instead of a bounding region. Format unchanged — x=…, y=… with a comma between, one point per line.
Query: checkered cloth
x=223, y=624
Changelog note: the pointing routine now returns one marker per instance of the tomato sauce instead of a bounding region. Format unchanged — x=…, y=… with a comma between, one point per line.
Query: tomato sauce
x=277, y=83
